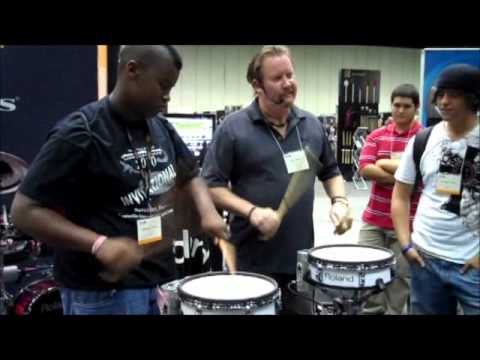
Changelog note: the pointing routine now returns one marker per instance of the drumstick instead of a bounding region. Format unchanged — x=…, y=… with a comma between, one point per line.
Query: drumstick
x=299, y=184
x=229, y=253
x=296, y=188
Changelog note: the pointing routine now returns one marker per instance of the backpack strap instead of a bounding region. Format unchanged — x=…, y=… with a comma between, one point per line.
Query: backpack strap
x=419, y=145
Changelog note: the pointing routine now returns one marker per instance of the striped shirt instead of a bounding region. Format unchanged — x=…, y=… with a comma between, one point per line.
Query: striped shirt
x=380, y=144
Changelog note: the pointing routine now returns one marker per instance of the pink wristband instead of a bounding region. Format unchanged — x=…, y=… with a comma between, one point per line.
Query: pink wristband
x=98, y=244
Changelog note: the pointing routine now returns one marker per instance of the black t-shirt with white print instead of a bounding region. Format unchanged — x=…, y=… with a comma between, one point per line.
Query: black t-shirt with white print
x=88, y=171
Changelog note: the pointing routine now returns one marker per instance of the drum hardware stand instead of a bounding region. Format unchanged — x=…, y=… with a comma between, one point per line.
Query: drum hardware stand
x=347, y=304
x=359, y=138
x=317, y=307
x=6, y=299
x=6, y=231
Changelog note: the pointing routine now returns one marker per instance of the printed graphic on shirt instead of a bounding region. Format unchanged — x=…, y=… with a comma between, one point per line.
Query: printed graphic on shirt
x=470, y=202
x=452, y=159
x=458, y=160
x=162, y=181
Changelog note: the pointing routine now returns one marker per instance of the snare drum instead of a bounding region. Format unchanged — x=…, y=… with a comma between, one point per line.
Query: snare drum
x=220, y=293
x=351, y=266
x=41, y=297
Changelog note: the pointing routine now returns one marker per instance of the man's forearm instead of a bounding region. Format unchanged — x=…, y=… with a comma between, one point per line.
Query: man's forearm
x=335, y=187
x=227, y=200
x=400, y=210
x=388, y=165
x=199, y=192
x=377, y=174
x=49, y=226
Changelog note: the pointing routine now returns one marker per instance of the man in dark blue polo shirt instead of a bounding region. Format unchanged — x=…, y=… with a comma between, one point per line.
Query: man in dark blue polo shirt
x=249, y=165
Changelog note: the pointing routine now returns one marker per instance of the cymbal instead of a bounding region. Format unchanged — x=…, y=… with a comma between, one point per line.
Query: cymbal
x=12, y=172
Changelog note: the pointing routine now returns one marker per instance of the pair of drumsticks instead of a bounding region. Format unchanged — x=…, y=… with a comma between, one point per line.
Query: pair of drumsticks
x=296, y=188
x=299, y=183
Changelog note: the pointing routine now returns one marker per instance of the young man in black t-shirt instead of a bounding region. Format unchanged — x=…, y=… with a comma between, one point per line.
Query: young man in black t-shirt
x=101, y=191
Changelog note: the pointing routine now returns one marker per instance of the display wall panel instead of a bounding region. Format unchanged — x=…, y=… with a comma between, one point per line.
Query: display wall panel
x=44, y=83
x=317, y=64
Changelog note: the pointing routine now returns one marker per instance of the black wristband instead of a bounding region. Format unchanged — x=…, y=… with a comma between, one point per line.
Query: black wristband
x=336, y=198
x=250, y=213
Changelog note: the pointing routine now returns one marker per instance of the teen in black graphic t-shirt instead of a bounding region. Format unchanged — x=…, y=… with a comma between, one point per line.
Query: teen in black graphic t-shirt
x=105, y=171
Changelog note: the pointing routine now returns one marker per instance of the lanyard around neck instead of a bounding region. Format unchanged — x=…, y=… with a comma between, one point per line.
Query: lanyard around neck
x=278, y=144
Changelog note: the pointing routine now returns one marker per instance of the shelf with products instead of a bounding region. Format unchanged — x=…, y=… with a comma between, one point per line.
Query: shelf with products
x=359, y=96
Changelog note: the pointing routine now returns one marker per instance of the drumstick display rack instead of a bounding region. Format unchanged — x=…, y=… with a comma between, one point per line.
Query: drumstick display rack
x=359, y=97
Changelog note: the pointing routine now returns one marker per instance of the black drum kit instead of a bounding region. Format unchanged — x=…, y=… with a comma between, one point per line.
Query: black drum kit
x=26, y=271
x=331, y=280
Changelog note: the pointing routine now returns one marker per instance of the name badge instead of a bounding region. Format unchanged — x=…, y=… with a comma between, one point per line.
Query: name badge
x=296, y=161
x=449, y=184
x=396, y=155
x=149, y=230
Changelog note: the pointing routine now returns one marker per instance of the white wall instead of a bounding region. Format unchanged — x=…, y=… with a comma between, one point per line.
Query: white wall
x=214, y=75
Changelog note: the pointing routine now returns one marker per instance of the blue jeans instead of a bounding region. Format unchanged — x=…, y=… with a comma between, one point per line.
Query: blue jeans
x=110, y=302
x=436, y=289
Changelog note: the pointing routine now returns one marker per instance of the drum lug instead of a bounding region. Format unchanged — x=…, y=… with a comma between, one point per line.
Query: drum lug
x=362, y=279
x=278, y=305
x=309, y=278
x=199, y=309
x=248, y=310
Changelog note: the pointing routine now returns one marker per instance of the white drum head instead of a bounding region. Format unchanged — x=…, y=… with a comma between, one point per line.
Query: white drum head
x=351, y=254
x=228, y=287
